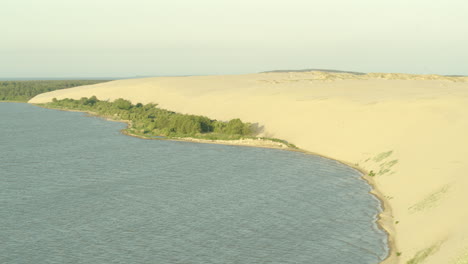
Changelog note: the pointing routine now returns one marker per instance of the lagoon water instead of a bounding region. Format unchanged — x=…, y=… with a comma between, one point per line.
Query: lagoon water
x=75, y=190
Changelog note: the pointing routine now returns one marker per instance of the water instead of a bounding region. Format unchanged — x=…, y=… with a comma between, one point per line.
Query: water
x=75, y=190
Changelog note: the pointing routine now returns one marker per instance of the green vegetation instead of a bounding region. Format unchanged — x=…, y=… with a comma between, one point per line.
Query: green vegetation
x=382, y=156
x=430, y=201
x=386, y=167
x=151, y=122
x=382, y=160
x=22, y=91
x=423, y=254
x=462, y=259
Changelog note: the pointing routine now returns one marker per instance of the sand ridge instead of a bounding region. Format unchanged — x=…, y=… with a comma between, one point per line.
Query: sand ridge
x=408, y=131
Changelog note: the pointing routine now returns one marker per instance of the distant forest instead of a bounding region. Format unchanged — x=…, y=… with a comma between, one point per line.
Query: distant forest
x=23, y=91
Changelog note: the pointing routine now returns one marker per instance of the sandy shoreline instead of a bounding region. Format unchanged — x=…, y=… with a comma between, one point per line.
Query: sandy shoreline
x=409, y=131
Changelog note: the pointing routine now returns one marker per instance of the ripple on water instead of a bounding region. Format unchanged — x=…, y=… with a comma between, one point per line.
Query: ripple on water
x=74, y=190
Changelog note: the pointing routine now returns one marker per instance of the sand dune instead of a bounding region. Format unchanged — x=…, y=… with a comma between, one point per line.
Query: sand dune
x=411, y=131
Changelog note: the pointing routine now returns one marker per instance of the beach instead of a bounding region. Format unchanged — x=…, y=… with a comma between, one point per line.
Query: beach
x=406, y=133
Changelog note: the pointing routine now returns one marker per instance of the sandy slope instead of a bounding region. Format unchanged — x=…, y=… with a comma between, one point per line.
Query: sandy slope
x=410, y=130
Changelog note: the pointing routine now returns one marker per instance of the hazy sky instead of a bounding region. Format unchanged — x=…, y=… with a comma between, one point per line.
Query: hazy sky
x=73, y=38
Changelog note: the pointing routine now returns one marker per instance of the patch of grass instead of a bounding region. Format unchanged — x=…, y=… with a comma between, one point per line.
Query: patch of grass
x=382, y=156
x=371, y=173
x=430, y=201
x=398, y=254
x=423, y=254
x=386, y=166
x=462, y=259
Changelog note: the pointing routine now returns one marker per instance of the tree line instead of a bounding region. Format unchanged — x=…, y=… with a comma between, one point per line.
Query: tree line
x=149, y=120
x=23, y=91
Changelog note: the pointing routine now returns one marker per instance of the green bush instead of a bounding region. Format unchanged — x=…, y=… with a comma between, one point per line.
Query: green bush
x=123, y=104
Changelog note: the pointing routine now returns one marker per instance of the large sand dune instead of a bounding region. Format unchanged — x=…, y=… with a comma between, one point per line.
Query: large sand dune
x=411, y=131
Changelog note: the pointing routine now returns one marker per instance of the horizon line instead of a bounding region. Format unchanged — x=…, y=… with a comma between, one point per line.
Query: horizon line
x=186, y=75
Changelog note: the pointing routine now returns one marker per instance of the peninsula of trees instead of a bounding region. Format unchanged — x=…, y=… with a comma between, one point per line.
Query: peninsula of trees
x=149, y=121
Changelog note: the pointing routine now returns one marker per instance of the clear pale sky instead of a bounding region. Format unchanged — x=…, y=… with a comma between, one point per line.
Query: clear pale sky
x=117, y=38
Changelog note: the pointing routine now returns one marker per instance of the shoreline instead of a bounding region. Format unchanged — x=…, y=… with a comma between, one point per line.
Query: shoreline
x=384, y=219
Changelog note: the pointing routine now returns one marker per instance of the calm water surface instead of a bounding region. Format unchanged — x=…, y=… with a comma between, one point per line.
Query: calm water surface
x=74, y=190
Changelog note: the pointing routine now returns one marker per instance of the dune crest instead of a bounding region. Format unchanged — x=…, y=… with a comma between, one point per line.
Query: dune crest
x=330, y=76
x=408, y=131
